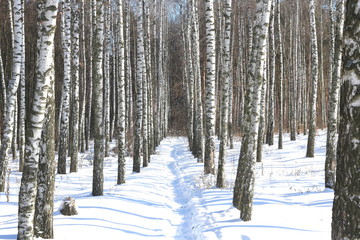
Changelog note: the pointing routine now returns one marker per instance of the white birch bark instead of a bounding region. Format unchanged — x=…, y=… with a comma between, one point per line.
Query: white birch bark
x=22, y=106
x=210, y=107
x=139, y=87
x=44, y=205
x=346, y=207
x=74, y=158
x=281, y=76
x=245, y=178
x=198, y=122
x=121, y=95
x=107, y=52
x=44, y=76
x=332, y=128
x=99, y=141
x=272, y=56
x=145, y=144
x=65, y=101
x=314, y=74
x=226, y=75
x=11, y=94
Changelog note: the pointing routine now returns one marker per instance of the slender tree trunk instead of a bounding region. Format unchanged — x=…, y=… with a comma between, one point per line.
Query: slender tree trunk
x=330, y=162
x=198, y=121
x=47, y=12
x=346, y=209
x=314, y=74
x=145, y=80
x=139, y=86
x=272, y=55
x=281, y=76
x=11, y=94
x=121, y=96
x=74, y=158
x=22, y=106
x=44, y=205
x=245, y=178
x=64, y=121
x=226, y=73
x=209, y=166
x=99, y=141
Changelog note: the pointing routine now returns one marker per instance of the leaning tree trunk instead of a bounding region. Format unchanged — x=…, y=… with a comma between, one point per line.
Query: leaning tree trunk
x=346, y=209
x=11, y=94
x=139, y=86
x=99, y=142
x=65, y=102
x=209, y=163
x=314, y=74
x=45, y=74
x=226, y=74
x=245, y=177
x=330, y=161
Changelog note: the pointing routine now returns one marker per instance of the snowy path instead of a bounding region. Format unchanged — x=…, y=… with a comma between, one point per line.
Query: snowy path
x=171, y=199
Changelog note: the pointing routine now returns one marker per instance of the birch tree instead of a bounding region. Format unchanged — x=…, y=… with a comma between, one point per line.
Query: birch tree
x=209, y=163
x=65, y=101
x=139, y=86
x=245, y=177
x=47, y=11
x=330, y=161
x=226, y=75
x=44, y=205
x=272, y=56
x=314, y=76
x=11, y=92
x=121, y=94
x=99, y=141
x=75, y=85
x=198, y=117
x=281, y=75
x=346, y=208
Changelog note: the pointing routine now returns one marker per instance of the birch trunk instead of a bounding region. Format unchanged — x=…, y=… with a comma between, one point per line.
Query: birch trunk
x=330, y=161
x=11, y=94
x=346, y=208
x=121, y=95
x=74, y=158
x=139, y=86
x=198, y=121
x=145, y=133
x=99, y=141
x=44, y=205
x=281, y=77
x=245, y=178
x=272, y=55
x=226, y=74
x=65, y=109
x=44, y=77
x=314, y=74
x=209, y=166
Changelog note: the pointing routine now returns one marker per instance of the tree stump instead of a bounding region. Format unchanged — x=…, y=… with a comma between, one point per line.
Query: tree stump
x=68, y=207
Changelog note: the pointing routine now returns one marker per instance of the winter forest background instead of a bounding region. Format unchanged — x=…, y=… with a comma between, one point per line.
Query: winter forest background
x=138, y=79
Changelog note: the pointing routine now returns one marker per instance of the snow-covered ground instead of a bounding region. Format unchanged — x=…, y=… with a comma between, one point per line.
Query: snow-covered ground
x=172, y=199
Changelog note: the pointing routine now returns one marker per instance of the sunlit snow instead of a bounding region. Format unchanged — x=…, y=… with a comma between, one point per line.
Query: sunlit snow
x=171, y=199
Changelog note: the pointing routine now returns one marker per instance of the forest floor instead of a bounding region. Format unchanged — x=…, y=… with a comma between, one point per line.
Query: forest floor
x=172, y=199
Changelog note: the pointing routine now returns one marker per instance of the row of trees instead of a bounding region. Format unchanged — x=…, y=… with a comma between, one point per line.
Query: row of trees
x=270, y=71
x=133, y=69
